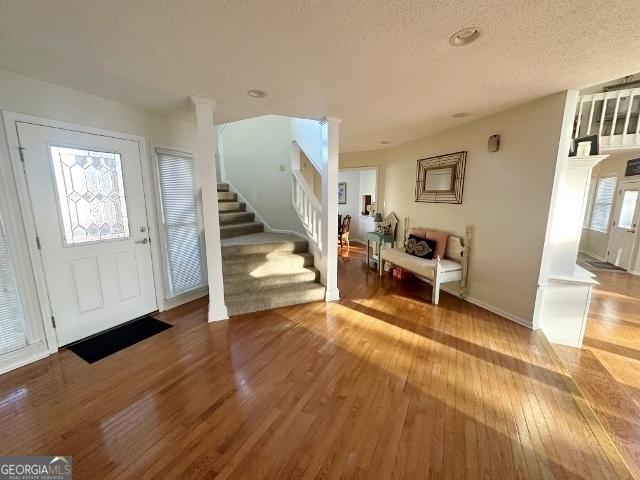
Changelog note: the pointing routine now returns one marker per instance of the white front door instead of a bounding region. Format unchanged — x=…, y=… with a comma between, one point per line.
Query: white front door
x=625, y=221
x=89, y=211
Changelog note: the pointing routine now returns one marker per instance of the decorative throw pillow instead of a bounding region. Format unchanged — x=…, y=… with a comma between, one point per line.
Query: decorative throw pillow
x=420, y=247
x=441, y=242
x=439, y=237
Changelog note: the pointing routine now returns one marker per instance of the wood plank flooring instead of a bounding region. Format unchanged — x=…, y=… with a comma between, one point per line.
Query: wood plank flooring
x=607, y=368
x=379, y=385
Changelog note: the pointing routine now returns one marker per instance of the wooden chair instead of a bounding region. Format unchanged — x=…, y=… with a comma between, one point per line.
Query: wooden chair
x=343, y=233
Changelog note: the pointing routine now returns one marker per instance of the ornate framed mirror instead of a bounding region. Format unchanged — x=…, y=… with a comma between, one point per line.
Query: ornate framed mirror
x=441, y=179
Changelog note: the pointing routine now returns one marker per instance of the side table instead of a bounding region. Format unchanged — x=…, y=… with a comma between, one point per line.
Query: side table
x=379, y=239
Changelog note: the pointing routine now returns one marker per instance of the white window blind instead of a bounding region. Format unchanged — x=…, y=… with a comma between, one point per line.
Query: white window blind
x=180, y=218
x=605, y=193
x=12, y=325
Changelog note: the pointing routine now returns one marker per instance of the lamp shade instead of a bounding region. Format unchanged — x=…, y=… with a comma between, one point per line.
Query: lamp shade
x=377, y=217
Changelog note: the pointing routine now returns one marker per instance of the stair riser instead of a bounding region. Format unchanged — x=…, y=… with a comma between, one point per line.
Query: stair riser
x=251, y=283
x=264, y=249
x=240, y=217
x=267, y=267
x=227, y=196
x=231, y=206
x=245, y=306
x=223, y=187
x=233, y=231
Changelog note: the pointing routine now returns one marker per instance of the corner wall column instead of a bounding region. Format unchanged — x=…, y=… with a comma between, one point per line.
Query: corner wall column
x=330, y=149
x=206, y=159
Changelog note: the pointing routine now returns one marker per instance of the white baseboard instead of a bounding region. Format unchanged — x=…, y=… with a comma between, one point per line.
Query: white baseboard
x=634, y=272
x=24, y=356
x=491, y=308
x=332, y=295
x=218, y=313
x=593, y=255
x=182, y=299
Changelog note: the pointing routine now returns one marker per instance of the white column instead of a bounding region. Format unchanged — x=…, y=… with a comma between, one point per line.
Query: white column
x=565, y=219
x=206, y=159
x=330, y=150
x=562, y=301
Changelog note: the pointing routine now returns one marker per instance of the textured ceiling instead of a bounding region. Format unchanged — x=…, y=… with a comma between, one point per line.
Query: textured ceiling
x=384, y=66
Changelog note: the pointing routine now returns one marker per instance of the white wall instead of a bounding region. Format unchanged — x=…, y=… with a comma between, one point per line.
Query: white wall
x=593, y=242
x=308, y=134
x=34, y=97
x=368, y=184
x=359, y=182
x=506, y=197
x=253, y=152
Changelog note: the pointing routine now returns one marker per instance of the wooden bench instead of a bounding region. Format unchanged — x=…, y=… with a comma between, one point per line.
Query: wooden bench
x=452, y=268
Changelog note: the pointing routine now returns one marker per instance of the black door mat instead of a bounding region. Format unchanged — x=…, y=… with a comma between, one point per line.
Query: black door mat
x=107, y=343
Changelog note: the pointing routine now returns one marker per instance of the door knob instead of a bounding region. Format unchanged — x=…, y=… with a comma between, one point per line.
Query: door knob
x=144, y=241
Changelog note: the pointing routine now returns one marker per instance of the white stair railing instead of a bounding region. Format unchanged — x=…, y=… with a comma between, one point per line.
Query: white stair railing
x=307, y=207
x=318, y=140
x=613, y=116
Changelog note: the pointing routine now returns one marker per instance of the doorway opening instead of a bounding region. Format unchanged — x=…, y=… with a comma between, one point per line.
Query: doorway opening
x=358, y=199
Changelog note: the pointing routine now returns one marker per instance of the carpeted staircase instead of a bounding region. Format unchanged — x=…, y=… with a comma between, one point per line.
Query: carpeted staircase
x=262, y=270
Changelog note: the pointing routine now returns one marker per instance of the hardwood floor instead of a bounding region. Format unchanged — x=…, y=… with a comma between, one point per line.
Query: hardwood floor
x=379, y=385
x=607, y=368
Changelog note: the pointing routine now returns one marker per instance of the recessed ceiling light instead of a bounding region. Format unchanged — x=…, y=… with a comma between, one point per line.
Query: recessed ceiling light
x=464, y=36
x=460, y=114
x=385, y=142
x=257, y=93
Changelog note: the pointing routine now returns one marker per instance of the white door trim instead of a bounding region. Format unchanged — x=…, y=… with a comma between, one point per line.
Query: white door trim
x=614, y=211
x=10, y=121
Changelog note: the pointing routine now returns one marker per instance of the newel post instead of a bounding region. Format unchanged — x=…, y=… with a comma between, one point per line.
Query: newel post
x=206, y=159
x=330, y=150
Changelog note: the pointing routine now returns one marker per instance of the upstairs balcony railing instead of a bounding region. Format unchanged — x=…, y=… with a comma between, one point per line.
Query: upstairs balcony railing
x=613, y=116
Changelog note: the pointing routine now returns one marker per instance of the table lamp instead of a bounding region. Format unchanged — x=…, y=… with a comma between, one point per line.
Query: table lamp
x=377, y=219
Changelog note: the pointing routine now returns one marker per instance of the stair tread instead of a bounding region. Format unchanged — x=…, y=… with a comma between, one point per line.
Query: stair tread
x=281, y=290
x=227, y=196
x=242, y=224
x=228, y=207
x=241, y=282
x=260, y=239
x=228, y=214
x=242, y=228
x=293, y=271
x=260, y=257
x=235, y=218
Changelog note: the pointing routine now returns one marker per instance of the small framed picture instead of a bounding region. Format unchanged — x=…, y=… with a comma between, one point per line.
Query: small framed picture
x=342, y=193
x=585, y=146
